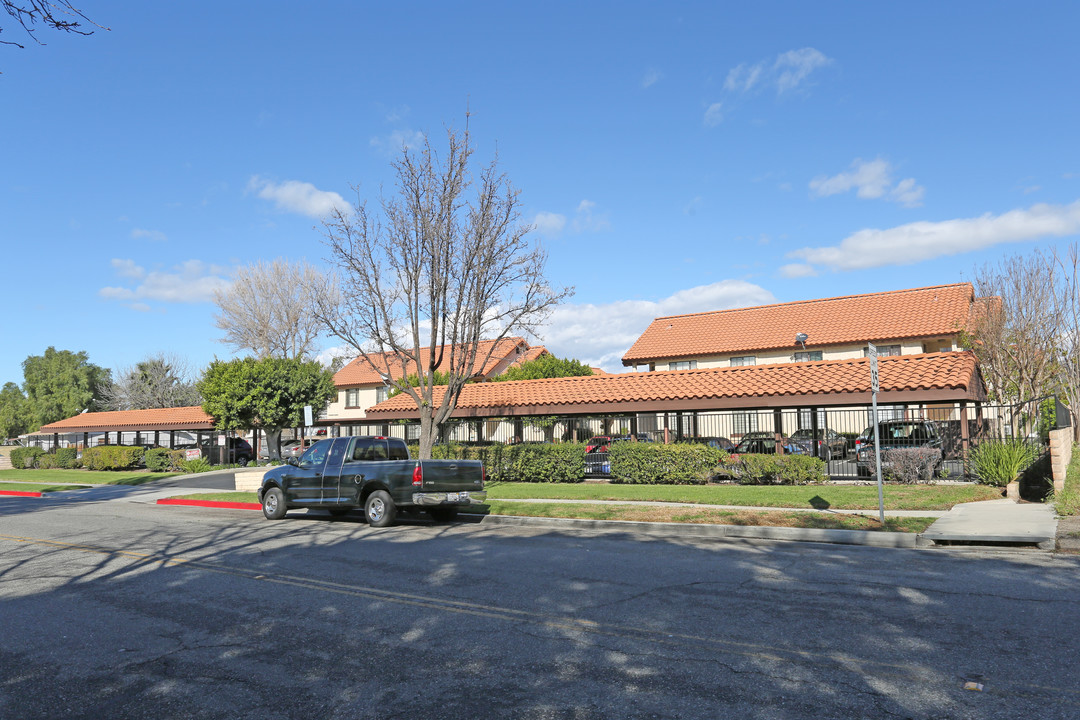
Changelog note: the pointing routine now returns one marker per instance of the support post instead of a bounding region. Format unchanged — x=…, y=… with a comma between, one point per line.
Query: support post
x=778, y=430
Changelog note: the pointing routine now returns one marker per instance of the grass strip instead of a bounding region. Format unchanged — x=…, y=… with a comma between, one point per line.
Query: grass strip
x=232, y=497
x=819, y=497
x=823, y=521
x=39, y=487
x=91, y=477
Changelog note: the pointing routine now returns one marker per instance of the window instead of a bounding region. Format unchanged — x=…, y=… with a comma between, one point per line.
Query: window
x=805, y=421
x=883, y=350
x=352, y=398
x=381, y=393
x=744, y=360
x=808, y=356
x=683, y=365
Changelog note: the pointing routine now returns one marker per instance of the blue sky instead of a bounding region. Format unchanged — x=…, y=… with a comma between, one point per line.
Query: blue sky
x=674, y=157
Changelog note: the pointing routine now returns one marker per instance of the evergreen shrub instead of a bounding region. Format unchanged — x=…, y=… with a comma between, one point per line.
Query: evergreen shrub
x=112, y=457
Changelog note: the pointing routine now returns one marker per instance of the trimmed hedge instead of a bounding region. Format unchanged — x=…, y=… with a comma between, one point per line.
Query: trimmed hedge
x=559, y=462
x=163, y=459
x=25, y=458
x=775, y=469
x=112, y=457
x=654, y=463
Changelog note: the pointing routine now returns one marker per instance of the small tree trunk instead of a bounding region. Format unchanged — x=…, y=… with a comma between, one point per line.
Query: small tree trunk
x=428, y=429
x=273, y=443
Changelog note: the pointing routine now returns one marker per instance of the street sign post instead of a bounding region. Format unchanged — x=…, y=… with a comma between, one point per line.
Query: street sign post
x=871, y=352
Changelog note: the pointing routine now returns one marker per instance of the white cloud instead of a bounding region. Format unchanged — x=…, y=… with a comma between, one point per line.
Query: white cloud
x=153, y=235
x=587, y=221
x=714, y=115
x=919, y=241
x=743, y=77
x=870, y=179
x=398, y=140
x=652, y=76
x=798, y=270
x=548, y=223
x=191, y=281
x=794, y=66
x=298, y=197
x=599, y=335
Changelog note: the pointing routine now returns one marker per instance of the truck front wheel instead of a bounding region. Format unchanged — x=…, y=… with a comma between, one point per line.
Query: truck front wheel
x=379, y=509
x=273, y=504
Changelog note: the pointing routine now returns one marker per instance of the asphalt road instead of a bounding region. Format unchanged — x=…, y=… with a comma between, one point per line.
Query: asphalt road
x=124, y=609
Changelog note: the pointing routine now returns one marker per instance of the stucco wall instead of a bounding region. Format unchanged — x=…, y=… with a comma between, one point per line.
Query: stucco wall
x=840, y=352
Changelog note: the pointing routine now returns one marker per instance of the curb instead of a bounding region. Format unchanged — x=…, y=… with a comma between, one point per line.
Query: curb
x=20, y=493
x=760, y=532
x=211, y=504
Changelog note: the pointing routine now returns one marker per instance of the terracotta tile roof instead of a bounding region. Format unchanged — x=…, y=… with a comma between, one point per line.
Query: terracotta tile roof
x=920, y=312
x=829, y=382
x=360, y=371
x=181, y=418
x=530, y=355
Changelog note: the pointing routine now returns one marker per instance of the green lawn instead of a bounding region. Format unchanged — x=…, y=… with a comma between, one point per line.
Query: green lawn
x=38, y=487
x=822, y=497
x=88, y=477
x=825, y=521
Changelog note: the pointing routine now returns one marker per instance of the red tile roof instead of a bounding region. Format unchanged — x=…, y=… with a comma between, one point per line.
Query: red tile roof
x=920, y=312
x=932, y=376
x=181, y=418
x=361, y=372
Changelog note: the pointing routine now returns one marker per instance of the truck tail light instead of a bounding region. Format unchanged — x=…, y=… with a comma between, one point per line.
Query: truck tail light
x=417, y=476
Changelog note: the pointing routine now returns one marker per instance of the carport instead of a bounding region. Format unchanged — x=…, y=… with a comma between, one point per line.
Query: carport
x=149, y=427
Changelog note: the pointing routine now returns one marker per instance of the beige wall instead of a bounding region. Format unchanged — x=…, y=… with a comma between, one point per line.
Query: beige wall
x=337, y=411
x=1061, y=450
x=839, y=352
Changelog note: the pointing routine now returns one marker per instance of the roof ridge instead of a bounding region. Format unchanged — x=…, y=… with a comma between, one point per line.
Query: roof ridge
x=817, y=300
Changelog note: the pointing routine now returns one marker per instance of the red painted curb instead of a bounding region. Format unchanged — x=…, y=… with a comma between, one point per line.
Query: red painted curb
x=21, y=493
x=211, y=504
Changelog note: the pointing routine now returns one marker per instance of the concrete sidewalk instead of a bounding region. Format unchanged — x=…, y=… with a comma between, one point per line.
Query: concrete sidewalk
x=994, y=522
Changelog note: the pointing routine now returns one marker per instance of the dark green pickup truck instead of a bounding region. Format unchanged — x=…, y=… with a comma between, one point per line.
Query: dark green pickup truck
x=375, y=473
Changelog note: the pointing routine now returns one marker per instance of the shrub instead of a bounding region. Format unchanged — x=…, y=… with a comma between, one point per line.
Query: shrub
x=67, y=458
x=24, y=458
x=111, y=457
x=910, y=465
x=999, y=462
x=158, y=460
x=198, y=465
x=775, y=469
x=46, y=461
x=561, y=462
x=654, y=463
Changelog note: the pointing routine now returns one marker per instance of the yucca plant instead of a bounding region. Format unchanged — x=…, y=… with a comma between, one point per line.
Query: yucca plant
x=999, y=462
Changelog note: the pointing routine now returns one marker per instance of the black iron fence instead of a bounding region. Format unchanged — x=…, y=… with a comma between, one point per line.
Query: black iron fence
x=833, y=434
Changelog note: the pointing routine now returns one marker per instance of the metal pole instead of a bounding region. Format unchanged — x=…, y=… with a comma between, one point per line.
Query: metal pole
x=877, y=460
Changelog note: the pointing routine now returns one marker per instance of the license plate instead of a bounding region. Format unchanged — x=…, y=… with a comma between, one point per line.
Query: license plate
x=453, y=497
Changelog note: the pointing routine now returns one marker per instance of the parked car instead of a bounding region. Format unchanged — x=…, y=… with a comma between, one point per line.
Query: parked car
x=830, y=445
x=289, y=448
x=599, y=443
x=767, y=446
x=897, y=434
x=374, y=473
x=723, y=443
x=238, y=450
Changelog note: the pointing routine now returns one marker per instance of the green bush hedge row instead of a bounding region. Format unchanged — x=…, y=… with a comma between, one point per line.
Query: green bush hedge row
x=24, y=458
x=560, y=462
x=111, y=457
x=774, y=469
x=655, y=463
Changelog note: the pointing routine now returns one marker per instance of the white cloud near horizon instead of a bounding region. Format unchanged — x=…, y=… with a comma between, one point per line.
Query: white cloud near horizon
x=397, y=141
x=651, y=77
x=919, y=241
x=871, y=179
x=298, y=197
x=152, y=235
x=599, y=335
x=189, y=282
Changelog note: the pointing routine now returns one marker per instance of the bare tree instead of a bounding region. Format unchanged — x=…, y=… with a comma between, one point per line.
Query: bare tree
x=1016, y=328
x=1068, y=312
x=435, y=269
x=268, y=309
x=56, y=14
x=159, y=381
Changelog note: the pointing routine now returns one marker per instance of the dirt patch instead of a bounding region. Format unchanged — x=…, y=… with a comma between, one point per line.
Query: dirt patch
x=1068, y=534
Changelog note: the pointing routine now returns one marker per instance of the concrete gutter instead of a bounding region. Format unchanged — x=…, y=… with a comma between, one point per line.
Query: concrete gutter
x=761, y=532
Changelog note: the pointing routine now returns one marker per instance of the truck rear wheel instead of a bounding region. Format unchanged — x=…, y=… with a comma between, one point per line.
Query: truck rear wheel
x=379, y=509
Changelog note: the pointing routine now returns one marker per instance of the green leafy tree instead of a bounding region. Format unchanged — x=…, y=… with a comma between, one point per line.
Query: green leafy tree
x=12, y=411
x=545, y=366
x=268, y=394
x=59, y=384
